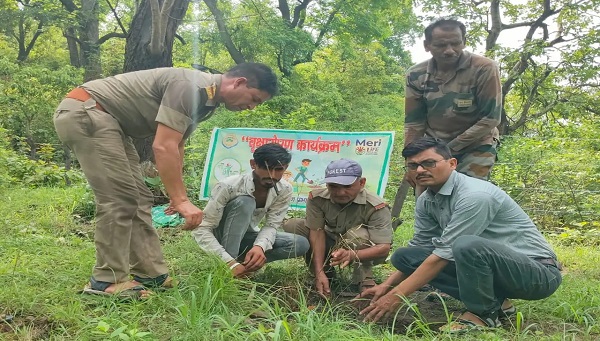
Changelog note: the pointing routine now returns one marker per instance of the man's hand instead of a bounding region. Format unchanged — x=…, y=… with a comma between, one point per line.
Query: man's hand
x=239, y=271
x=322, y=284
x=375, y=292
x=410, y=179
x=384, y=307
x=191, y=214
x=255, y=259
x=342, y=257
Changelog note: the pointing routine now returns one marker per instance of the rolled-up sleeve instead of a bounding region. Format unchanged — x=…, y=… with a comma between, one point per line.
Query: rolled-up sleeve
x=273, y=220
x=471, y=216
x=213, y=212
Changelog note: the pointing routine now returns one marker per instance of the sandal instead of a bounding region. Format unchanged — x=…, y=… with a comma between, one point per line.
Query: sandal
x=461, y=325
x=127, y=294
x=507, y=312
x=162, y=282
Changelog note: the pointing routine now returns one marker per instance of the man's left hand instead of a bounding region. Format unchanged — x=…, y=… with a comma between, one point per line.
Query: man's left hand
x=342, y=257
x=255, y=259
x=384, y=307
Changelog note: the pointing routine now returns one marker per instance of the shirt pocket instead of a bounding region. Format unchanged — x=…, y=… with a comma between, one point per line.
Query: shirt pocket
x=464, y=103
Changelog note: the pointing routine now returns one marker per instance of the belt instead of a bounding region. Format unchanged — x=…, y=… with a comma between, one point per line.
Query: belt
x=548, y=261
x=82, y=95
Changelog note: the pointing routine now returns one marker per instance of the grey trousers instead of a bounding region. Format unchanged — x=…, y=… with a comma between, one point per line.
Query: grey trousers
x=484, y=274
x=237, y=237
x=126, y=242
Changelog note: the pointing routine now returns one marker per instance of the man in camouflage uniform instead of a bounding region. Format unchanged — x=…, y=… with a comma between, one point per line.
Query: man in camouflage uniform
x=345, y=224
x=97, y=121
x=455, y=96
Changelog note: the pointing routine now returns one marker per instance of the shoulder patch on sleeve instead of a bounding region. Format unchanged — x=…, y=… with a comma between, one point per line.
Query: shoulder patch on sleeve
x=211, y=91
x=380, y=206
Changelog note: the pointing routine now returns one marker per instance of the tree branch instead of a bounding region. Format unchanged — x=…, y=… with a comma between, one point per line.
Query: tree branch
x=285, y=10
x=108, y=36
x=235, y=54
x=114, y=12
x=298, y=12
x=155, y=38
x=69, y=5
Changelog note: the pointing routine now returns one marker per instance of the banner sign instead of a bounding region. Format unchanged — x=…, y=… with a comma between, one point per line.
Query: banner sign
x=230, y=152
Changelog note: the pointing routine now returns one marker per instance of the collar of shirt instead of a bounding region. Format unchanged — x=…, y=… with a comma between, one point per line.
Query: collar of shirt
x=249, y=188
x=464, y=61
x=447, y=188
x=360, y=199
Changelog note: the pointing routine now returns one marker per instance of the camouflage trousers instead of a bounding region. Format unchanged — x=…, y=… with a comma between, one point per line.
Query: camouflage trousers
x=477, y=163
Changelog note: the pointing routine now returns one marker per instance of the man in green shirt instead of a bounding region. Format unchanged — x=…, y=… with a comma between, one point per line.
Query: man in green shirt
x=471, y=241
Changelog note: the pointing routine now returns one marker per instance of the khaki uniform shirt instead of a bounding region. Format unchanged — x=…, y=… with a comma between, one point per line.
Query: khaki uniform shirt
x=177, y=98
x=367, y=210
x=464, y=110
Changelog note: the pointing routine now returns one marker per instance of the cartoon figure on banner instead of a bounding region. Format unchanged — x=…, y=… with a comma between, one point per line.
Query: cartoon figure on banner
x=302, y=171
x=227, y=167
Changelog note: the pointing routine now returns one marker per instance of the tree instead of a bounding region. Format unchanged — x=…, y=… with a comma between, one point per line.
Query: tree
x=25, y=21
x=152, y=34
x=292, y=33
x=84, y=39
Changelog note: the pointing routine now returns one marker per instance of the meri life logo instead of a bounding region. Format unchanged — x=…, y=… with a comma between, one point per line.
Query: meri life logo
x=367, y=146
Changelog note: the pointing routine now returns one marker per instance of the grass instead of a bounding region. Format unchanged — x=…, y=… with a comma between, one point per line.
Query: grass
x=46, y=257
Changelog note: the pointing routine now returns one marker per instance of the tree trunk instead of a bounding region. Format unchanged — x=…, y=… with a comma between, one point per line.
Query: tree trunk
x=89, y=35
x=138, y=55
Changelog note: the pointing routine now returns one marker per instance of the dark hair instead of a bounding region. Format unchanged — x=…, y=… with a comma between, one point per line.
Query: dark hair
x=271, y=155
x=424, y=143
x=446, y=25
x=259, y=76
x=306, y=160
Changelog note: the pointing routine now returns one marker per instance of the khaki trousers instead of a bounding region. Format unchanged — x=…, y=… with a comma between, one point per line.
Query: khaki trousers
x=354, y=239
x=126, y=242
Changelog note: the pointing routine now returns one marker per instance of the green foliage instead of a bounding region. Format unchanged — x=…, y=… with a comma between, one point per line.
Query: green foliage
x=17, y=169
x=554, y=175
x=30, y=96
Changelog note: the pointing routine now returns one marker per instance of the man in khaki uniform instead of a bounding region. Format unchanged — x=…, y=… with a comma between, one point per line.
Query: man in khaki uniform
x=97, y=121
x=345, y=224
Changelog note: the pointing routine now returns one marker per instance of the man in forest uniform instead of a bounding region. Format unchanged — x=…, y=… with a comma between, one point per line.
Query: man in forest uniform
x=472, y=241
x=239, y=203
x=345, y=225
x=97, y=121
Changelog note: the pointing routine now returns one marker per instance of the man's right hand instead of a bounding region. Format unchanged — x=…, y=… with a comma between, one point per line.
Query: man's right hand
x=375, y=292
x=322, y=284
x=192, y=214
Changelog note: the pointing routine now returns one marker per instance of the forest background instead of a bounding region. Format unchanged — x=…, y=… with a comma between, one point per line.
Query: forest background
x=341, y=65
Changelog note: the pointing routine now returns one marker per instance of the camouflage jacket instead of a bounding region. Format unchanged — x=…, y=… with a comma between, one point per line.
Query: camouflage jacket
x=463, y=110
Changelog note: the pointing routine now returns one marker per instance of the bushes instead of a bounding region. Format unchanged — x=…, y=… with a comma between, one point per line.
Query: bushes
x=17, y=169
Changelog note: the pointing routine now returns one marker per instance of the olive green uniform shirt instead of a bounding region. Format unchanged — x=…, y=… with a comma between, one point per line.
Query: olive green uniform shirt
x=367, y=210
x=463, y=110
x=139, y=100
